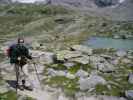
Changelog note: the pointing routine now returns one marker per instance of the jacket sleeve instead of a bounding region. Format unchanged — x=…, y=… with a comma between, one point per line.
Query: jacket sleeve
x=27, y=53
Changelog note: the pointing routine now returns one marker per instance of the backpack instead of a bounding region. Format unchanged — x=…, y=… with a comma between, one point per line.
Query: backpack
x=9, y=50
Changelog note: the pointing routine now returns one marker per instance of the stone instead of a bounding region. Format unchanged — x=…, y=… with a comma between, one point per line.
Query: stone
x=70, y=76
x=83, y=49
x=101, y=97
x=121, y=53
x=81, y=73
x=3, y=89
x=106, y=56
x=130, y=79
x=35, y=45
x=82, y=60
x=95, y=59
x=47, y=58
x=61, y=73
x=126, y=61
x=105, y=67
x=42, y=57
x=62, y=97
x=66, y=54
x=69, y=64
x=101, y=64
x=53, y=72
x=90, y=82
x=129, y=94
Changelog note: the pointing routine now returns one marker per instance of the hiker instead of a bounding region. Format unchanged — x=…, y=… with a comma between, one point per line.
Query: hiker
x=18, y=55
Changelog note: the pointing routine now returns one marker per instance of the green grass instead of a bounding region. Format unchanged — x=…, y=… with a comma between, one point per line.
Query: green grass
x=69, y=86
x=11, y=95
x=8, y=96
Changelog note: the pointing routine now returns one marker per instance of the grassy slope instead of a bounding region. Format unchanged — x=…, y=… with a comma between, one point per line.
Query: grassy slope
x=55, y=23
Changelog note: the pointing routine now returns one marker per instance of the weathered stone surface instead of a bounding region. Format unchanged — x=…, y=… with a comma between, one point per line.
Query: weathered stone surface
x=81, y=73
x=69, y=64
x=63, y=97
x=42, y=57
x=130, y=80
x=70, y=76
x=92, y=81
x=101, y=64
x=3, y=89
x=129, y=94
x=82, y=60
x=66, y=54
x=105, y=67
x=100, y=98
x=126, y=61
x=106, y=56
x=83, y=49
x=47, y=58
x=121, y=53
x=94, y=59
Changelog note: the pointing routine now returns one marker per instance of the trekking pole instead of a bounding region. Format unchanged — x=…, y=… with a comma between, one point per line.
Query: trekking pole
x=37, y=74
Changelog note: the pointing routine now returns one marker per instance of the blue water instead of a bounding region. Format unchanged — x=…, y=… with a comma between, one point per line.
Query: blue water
x=103, y=42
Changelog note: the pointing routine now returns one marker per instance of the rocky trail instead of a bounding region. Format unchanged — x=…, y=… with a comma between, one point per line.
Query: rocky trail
x=79, y=73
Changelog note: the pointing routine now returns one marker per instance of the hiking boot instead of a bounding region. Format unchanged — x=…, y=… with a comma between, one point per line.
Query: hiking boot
x=30, y=88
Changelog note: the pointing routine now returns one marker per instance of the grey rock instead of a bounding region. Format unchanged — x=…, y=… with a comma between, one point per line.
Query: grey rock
x=126, y=61
x=53, y=72
x=47, y=58
x=101, y=64
x=82, y=60
x=100, y=98
x=4, y=89
x=130, y=80
x=81, y=73
x=105, y=67
x=69, y=64
x=70, y=76
x=83, y=49
x=121, y=53
x=66, y=54
x=42, y=57
x=90, y=82
x=129, y=94
x=63, y=97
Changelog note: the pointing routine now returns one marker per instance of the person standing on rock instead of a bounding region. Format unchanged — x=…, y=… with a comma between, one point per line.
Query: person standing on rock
x=18, y=54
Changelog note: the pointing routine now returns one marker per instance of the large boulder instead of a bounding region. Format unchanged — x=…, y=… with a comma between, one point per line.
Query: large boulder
x=83, y=49
x=53, y=72
x=47, y=58
x=43, y=57
x=100, y=98
x=101, y=64
x=105, y=67
x=66, y=54
x=129, y=94
x=70, y=76
x=69, y=64
x=83, y=60
x=95, y=59
x=81, y=73
x=121, y=53
x=91, y=82
x=130, y=80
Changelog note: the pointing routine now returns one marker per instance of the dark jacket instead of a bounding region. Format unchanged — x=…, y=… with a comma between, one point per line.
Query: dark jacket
x=18, y=50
